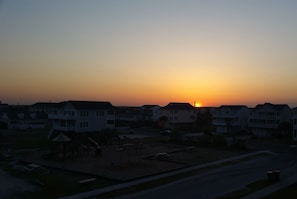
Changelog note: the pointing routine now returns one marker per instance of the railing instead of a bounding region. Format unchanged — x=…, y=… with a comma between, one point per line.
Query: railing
x=61, y=116
x=261, y=125
x=64, y=128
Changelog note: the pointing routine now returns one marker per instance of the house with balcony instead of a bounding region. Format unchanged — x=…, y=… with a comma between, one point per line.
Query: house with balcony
x=177, y=115
x=82, y=116
x=265, y=119
x=228, y=119
x=22, y=118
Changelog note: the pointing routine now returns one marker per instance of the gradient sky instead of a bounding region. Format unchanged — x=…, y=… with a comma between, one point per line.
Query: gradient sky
x=135, y=52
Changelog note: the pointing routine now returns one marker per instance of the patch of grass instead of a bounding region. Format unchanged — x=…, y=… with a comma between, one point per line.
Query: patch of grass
x=200, y=155
x=27, y=139
x=289, y=192
x=36, y=141
x=260, y=184
x=250, y=188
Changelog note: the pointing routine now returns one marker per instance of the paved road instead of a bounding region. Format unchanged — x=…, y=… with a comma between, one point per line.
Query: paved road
x=223, y=180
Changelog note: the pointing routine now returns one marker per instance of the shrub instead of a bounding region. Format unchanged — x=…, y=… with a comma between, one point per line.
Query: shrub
x=219, y=141
x=239, y=145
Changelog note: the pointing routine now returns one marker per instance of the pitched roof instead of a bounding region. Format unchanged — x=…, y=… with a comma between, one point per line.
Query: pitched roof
x=61, y=138
x=44, y=104
x=149, y=106
x=178, y=106
x=277, y=107
x=91, y=105
x=233, y=107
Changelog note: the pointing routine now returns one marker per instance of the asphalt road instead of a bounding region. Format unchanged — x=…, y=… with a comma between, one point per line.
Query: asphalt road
x=225, y=179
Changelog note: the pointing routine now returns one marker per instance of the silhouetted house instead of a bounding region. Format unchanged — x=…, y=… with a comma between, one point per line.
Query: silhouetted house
x=265, y=119
x=294, y=110
x=137, y=116
x=21, y=118
x=150, y=113
x=127, y=116
x=82, y=116
x=3, y=106
x=230, y=119
x=178, y=115
x=43, y=107
x=204, y=118
x=3, y=124
x=205, y=110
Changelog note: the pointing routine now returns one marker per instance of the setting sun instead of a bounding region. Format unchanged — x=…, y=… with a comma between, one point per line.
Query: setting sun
x=197, y=104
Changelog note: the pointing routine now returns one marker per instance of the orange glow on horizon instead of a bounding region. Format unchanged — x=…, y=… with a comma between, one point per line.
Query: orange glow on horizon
x=198, y=104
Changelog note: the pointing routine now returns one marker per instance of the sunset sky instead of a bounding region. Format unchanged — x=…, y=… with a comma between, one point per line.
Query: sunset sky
x=135, y=52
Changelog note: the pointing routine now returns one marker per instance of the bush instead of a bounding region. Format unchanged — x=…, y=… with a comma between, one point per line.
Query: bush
x=219, y=141
x=205, y=140
x=239, y=145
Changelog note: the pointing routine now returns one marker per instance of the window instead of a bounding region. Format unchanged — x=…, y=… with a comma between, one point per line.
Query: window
x=63, y=123
x=21, y=116
x=69, y=113
x=84, y=113
x=100, y=113
x=84, y=124
x=110, y=121
x=110, y=112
